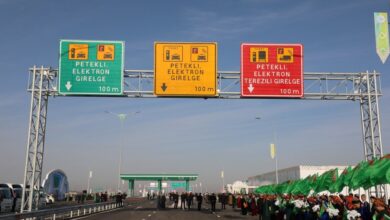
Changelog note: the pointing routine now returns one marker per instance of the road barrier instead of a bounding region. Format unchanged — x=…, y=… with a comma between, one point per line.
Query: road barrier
x=64, y=212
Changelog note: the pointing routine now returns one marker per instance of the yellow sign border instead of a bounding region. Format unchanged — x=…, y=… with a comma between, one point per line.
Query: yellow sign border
x=186, y=95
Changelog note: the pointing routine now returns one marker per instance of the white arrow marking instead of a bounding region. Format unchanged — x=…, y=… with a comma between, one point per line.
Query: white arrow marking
x=68, y=85
x=251, y=88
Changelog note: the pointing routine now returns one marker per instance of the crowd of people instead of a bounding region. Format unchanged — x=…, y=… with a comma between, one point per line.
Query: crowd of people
x=100, y=197
x=322, y=207
x=286, y=207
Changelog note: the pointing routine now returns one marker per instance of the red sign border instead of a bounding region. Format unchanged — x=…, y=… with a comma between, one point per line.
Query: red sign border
x=272, y=96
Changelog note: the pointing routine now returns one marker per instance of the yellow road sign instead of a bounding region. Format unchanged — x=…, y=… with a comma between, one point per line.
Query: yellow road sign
x=105, y=52
x=258, y=55
x=185, y=69
x=78, y=51
x=285, y=55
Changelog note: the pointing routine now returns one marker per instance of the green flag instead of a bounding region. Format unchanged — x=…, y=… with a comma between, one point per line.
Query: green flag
x=296, y=190
x=261, y=189
x=379, y=172
x=339, y=184
x=333, y=183
x=366, y=179
x=290, y=187
x=325, y=180
x=347, y=176
x=303, y=186
x=358, y=176
x=280, y=188
x=381, y=35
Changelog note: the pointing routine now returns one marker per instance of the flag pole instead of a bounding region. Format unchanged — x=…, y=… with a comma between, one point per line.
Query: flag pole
x=273, y=156
x=276, y=157
x=223, y=181
x=276, y=169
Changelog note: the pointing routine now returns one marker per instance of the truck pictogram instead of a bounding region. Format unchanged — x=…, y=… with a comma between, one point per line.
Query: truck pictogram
x=285, y=55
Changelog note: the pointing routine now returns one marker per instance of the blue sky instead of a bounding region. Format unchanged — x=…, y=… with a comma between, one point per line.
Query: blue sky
x=187, y=135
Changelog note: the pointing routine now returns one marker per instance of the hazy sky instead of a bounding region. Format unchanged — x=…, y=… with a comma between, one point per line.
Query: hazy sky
x=187, y=135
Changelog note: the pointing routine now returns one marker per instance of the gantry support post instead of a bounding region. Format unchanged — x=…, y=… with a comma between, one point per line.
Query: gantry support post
x=131, y=188
x=40, y=86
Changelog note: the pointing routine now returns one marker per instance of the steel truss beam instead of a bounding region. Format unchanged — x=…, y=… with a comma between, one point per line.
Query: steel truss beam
x=139, y=84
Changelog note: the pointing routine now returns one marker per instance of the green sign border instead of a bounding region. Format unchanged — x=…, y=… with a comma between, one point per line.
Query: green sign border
x=93, y=93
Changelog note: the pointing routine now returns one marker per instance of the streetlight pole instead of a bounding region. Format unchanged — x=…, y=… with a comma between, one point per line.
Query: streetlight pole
x=273, y=145
x=89, y=180
x=122, y=117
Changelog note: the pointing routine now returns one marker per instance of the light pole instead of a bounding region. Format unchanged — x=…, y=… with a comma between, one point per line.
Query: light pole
x=223, y=181
x=273, y=149
x=122, y=117
x=89, y=180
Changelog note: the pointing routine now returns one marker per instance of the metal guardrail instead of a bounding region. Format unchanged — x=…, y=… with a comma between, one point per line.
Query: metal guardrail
x=64, y=212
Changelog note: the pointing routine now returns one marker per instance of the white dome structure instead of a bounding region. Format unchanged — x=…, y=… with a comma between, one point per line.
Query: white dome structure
x=56, y=183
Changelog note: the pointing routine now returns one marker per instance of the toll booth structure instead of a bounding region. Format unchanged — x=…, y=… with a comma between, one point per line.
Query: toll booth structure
x=131, y=178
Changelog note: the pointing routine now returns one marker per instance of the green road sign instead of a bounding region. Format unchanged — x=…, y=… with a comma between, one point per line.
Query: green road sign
x=178, y=185
x=91, y=67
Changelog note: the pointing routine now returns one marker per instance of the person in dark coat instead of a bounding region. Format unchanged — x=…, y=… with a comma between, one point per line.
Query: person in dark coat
x=176, y=199
x=266, y=215
x=223, y=201
x=183, y=198
x=163, y=199
x=364, y=208
x=260, y=202
x=190, y=198
x=213, y=201
x=159, y=202
x=119, y=199
x=199, y=198
x=244, y=206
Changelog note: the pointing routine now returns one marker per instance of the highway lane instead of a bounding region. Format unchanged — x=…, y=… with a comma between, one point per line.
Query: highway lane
x=147, y=210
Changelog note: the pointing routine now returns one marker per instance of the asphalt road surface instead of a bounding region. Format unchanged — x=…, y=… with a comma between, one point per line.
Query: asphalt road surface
x=146, y=210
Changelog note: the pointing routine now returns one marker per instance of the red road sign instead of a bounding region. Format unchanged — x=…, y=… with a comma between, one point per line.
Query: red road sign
x=272, y=70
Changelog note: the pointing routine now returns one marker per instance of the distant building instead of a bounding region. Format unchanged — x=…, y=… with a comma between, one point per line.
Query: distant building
x=238, y=187
x=291, y=173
